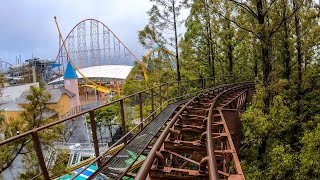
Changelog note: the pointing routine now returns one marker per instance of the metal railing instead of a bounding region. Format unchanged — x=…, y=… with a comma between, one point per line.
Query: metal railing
x=158, y=97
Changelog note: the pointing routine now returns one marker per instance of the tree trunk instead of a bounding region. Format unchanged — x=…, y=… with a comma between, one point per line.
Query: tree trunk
x=229, y=48
x=287, y=54
x=176, y=39
x=265, y=42
x=208, y=47
x=230, y=59
x=210, y=40
x=211, y=48
x=299, y=55
x=212, y=57
x=262, y=149
x=255, y=53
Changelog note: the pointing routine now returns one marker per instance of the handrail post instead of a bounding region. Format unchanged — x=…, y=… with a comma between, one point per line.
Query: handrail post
x=152, y=102
x=37, y=147
x=94, y=136
x=141, y=110
x=123, y=120
x=160, y=98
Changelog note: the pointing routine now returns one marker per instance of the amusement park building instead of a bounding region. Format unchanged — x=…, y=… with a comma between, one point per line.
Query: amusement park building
x=59, y=104
x=105, y=72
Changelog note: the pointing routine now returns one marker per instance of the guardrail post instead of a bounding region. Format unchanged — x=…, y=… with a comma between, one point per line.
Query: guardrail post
x=152, y=103
x=160, y=98
x=123, y=121
x=141, y=110
x=37, y=147
x=94, y=136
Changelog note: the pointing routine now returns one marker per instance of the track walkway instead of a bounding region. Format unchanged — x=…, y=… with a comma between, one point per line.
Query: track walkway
x=117, y=165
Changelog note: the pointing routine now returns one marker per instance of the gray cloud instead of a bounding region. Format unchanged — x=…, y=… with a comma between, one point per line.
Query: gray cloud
x=28, y=27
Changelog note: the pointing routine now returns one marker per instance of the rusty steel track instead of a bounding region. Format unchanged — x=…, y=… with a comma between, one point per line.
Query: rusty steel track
x=201, y=140
x=190, y=139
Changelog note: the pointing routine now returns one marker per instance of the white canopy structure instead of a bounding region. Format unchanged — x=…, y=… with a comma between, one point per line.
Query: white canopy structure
x=119, y=72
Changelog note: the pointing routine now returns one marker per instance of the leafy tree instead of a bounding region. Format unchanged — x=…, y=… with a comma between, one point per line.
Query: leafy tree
x=277, y=41
x=32, y=117
x=107, y=115
x=162, y=28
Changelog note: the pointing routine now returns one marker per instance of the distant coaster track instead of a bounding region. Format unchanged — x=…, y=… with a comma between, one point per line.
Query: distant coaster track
x=158, y=49
x=113, y=50
x=4, y=66
x=105, y=48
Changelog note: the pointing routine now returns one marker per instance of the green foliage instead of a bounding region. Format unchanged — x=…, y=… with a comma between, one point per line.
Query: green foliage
x=310, y=154
x=34, y=110
x=32, y=117
x=281, y=162
x=277, y=42
x=106, y=114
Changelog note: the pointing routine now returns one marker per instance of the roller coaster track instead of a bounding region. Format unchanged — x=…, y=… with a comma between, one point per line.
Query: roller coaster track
x=194, y=138
x=158, y=49
x=97, y=86
x=73, y=61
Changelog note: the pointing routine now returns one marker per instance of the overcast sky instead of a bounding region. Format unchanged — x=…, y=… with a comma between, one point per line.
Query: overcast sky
x=27, y=27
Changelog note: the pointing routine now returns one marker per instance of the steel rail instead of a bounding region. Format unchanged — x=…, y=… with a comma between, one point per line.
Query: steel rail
x=115, y=155
x=166, y=102
x=212, y=167
x=213, y=171
x=144, y=169
x=152, y=155
x=139, y=125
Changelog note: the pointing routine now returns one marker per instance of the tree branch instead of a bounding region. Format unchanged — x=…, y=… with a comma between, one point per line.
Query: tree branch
x=269, y=7
x=286, y=19
x=245, y=7
x=236, y=23
x=7, y=165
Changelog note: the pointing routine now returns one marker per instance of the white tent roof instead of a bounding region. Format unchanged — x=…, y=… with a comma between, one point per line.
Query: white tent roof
x=105, y=71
